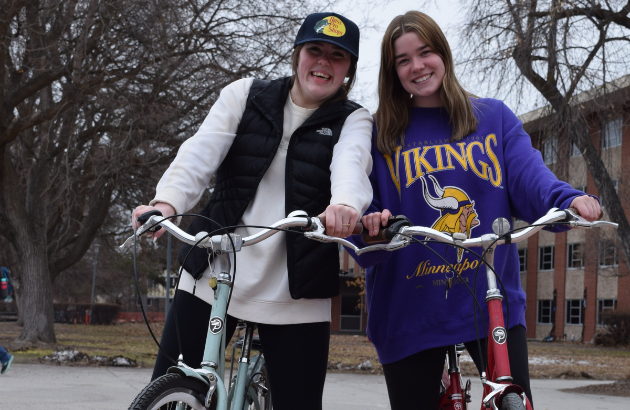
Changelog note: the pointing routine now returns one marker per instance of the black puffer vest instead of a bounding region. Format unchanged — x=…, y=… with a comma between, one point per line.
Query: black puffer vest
x=313, y=266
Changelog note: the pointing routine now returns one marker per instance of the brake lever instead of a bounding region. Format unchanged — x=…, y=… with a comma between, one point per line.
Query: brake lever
x=576, y=221
x=151, y=225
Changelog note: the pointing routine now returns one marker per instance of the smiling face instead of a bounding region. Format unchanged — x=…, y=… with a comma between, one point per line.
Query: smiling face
x=419, y=69
x=321, y=70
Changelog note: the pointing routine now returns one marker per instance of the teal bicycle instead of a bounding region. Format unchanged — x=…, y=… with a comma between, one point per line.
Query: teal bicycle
x=184, y=387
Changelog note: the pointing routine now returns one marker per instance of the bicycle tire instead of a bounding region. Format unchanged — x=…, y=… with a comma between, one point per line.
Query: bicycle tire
x=169, y=391
x=512, y=401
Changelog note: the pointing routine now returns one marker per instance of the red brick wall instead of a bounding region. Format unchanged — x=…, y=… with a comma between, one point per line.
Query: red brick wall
x=623, y=283
x=335, y=322
x=531, y=287
x=559, y=280
x=137, y=317
x=590, y=284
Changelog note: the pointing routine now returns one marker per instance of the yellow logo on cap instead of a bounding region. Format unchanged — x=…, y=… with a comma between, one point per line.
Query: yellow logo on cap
x=331, y=26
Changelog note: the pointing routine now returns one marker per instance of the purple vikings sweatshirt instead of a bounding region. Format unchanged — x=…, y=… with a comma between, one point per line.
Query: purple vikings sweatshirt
x=458, y=186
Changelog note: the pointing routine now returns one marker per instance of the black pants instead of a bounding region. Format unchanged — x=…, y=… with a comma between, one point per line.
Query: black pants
x=296, y=355
x=414, y=382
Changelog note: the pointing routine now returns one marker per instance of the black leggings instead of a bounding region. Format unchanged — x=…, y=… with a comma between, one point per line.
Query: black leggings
x=296, y=355
x=414, y=382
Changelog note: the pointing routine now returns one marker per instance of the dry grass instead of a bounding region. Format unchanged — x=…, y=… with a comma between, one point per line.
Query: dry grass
x=547, y=360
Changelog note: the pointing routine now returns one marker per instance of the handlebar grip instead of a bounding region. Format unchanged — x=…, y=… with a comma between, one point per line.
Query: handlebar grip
x=145, y=217
x=358, y=227
x=387, y=233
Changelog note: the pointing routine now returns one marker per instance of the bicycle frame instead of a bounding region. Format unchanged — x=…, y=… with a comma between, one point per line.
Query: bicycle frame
x=212, y=371
x=213, y=365
x=499, y=382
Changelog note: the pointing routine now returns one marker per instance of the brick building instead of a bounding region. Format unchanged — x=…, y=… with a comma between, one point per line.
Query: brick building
x=572, y=278
x=349, y=313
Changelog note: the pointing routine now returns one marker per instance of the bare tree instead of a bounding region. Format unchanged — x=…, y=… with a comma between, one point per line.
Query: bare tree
x=96, y=96
x=573, y=54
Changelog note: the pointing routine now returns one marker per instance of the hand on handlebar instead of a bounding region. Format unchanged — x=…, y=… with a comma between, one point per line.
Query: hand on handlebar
x=340, y=220
x=166, y=210
x=587, y=207
x=372, y=222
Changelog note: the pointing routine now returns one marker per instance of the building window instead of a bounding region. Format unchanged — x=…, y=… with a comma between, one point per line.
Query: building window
x=149, y=302
x=608, y=254
x=544, y=311
x=612, y=133
x=574, y=312
x=350, y=313
x=575, y=151
x=575, y=256
x=545, y=258
x=605, y=306
x=522, y=260
x=550, y=150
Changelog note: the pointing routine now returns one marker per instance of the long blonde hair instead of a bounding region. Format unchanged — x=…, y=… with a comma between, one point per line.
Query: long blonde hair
x=394, y=107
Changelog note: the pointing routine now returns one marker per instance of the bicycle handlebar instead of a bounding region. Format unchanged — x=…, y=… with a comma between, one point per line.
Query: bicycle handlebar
x=300, y=219
x=316, y=230
x=402, y=238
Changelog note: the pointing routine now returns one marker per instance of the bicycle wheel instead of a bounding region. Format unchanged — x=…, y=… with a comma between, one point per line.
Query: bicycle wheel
x=171, y=391
x=512, y=401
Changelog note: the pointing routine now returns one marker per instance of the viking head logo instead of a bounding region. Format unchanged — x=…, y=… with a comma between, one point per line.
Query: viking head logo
x=456, y=208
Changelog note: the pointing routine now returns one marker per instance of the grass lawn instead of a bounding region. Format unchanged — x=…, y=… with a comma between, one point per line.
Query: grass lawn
x=132, y=340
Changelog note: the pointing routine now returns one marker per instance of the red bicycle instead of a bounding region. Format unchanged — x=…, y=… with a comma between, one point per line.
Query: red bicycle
x=498, y=390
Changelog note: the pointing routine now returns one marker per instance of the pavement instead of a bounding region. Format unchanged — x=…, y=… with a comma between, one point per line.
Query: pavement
x=38, y=386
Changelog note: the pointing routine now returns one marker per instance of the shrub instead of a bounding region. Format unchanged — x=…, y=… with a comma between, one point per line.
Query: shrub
x=104, y=313
x=616, y=330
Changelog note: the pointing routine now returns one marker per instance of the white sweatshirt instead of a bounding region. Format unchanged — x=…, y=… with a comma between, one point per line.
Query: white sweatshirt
x=261, y=286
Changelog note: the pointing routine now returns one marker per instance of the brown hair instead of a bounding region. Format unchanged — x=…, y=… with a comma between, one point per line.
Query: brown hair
x=394, y=106
x=345, y=88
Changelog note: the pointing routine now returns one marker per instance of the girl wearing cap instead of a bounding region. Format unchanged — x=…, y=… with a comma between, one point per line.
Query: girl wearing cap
x=296, y=143
x=454, y=162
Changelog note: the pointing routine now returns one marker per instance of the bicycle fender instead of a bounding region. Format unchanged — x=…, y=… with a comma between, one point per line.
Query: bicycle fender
x=188, y=373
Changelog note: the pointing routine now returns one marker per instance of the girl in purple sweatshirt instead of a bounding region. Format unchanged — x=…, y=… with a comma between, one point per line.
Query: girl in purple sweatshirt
x=454, y=162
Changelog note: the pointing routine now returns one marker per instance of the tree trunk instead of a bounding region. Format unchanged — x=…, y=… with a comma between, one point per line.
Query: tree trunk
x=36, y=305
x=608, y=196
x=24, y=218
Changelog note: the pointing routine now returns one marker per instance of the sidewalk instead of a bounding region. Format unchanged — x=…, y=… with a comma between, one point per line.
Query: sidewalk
x=34, y=386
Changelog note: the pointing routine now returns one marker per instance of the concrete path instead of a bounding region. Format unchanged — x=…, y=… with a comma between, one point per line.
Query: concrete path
x=37, y=386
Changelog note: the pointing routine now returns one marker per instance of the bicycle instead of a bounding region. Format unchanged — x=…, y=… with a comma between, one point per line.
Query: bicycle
x=184, y=387
x=499, y=392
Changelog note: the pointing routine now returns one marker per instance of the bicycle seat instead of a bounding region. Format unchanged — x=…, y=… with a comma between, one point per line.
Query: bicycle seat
x=255, y=343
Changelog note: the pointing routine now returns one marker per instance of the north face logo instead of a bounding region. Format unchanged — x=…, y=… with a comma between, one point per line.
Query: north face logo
x=325, y=131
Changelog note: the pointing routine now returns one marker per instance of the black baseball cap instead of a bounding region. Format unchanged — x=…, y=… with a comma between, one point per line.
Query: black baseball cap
x=331, y=28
